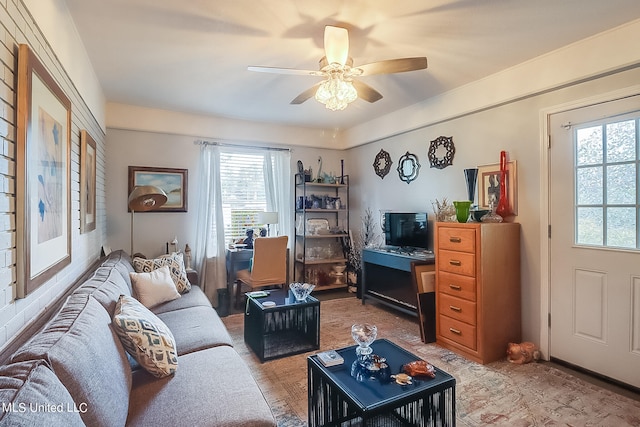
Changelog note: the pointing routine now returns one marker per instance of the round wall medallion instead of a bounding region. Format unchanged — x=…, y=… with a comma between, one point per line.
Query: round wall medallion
x=382, y=164
x=441, y=152
x=408, y=167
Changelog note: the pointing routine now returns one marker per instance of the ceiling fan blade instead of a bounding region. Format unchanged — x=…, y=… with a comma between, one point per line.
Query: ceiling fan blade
x=390, y=66
x=307, y=94
x=293, y=71
x=336, y=44
x=366, y=92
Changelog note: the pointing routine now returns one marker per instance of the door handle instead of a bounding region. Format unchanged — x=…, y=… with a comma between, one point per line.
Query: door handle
x=455, y=331
x=454, y=239
x=455, y=262
x=454, y=308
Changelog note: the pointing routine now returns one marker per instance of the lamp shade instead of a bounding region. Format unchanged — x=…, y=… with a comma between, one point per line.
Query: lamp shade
x=146, y=197
x=267, y=217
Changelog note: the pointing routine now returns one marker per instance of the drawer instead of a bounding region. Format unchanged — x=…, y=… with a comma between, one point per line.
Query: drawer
x=457, y=239
x=457, y=285
x=457, y=331
x=457, y=308
x=457, y=262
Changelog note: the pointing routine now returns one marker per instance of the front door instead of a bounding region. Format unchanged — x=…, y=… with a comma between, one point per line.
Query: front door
x=595, y=238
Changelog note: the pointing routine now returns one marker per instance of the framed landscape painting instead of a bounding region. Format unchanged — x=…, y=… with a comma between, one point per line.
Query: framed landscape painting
x=87, y=182
x=172, y=181
x=43, y=175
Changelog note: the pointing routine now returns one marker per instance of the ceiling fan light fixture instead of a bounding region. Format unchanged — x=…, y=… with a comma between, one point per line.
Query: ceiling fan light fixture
x=336, y=93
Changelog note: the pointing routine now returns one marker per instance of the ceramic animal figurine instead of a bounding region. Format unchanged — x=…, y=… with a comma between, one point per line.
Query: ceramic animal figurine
x=524, y=352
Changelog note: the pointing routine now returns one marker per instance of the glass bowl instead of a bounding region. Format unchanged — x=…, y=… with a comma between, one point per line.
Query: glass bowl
x=364, y=334
x=301, y=290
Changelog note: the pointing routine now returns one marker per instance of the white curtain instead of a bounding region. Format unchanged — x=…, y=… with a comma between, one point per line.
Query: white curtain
x=277, y=179
x=209, y=252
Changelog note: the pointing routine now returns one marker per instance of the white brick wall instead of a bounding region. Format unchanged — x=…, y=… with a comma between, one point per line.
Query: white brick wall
x=16, y=27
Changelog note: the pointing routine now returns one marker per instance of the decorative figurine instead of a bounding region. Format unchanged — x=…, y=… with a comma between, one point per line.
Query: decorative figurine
x=249, y=240
x=187, y=257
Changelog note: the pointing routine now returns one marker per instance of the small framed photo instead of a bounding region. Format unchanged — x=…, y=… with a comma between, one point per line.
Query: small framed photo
x=172, y=181
x=87, y=182
x=489, y=185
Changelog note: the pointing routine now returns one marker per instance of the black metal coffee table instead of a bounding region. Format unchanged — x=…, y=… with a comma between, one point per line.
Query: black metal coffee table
x=340, y=396
x=289, y=327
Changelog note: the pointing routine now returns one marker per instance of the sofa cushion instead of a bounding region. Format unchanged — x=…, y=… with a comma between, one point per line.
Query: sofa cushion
x=196, y=328
x=32, y=395
x=195, y=297
x=154, y=287
x=145, y=337
x=175, y=263
x=217, y=376
x=106, y=285
x=87, y=357
x=121, y=261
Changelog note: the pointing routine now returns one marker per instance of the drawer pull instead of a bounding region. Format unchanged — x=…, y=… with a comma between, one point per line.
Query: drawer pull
x=455, y=331
x=455, y=262
x=455, y=287
x=455, y=239
x=454, y=308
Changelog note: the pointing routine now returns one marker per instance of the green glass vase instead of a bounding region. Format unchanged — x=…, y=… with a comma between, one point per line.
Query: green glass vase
x=462, y=210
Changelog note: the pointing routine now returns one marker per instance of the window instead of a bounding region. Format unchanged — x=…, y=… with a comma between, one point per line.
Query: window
x=243, y=192
x=606, y=184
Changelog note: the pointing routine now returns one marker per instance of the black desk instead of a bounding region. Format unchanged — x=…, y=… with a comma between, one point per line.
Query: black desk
x=237, y=259
x=387, y=279
x=337, y=397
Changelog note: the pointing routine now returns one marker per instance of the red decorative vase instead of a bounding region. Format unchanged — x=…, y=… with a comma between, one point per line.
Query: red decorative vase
x=503, y=208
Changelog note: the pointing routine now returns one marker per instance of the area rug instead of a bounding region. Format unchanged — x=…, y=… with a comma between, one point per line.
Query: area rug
x=500, y=393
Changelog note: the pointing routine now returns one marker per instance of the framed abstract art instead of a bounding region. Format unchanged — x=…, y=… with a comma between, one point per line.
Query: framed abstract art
x=87, y=182
x=43, y=175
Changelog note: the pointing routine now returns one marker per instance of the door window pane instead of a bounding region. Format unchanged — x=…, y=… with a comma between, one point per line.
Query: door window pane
x=589, y=226
x=589, y=185
x=621, y=141
x=621, y=184
x=621, y=227
x=589, y=146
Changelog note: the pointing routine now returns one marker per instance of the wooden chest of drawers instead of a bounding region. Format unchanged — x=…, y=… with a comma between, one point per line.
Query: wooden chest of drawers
x=477, y=288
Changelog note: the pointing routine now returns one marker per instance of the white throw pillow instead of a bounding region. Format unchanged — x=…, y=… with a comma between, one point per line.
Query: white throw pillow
x=154, y=287
x=145, y=337
x=174, y=261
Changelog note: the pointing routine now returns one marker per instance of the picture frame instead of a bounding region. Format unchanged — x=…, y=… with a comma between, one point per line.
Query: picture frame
x=87, y=182
x=489, y=185
x=173, y=181
x=43, y=175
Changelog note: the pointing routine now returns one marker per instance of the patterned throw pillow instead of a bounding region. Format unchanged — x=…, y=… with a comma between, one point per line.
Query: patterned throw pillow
x=145, y=337
x=175, y=263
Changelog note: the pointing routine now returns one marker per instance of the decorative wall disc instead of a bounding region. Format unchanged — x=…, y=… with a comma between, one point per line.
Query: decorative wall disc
x=441, y=152
x=408, y=167
x=382, y=164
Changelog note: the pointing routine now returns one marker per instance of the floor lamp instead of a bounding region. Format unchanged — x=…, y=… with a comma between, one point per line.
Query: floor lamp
x=144, y=198
x=268, y=218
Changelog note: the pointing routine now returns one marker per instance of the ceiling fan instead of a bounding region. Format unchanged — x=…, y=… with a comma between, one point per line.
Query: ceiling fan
x=339, y=87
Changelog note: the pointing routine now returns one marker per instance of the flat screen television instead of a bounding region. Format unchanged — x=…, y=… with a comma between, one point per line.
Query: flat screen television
x=406, y=229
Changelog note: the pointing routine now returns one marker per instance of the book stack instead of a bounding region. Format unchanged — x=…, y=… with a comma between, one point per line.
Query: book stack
x=330, y=358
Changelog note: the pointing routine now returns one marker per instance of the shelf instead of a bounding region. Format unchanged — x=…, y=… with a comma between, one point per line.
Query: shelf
x=322, y=261
x=322, y=236
x=329, y=287
x=319, y=184
x=301, y=211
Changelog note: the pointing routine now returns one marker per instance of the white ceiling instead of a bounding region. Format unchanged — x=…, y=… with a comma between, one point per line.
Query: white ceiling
x=192, y=55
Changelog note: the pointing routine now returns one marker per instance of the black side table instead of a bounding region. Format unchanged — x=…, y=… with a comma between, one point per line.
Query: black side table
x=338, y=395
x=286, y=328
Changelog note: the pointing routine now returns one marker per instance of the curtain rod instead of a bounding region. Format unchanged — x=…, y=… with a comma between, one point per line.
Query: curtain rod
x=226, y=144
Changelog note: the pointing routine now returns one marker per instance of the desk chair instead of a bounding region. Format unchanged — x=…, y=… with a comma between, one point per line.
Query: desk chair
x=269, y=265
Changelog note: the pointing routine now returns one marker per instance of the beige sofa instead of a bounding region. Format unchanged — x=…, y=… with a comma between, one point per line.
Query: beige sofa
x=75, y=371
